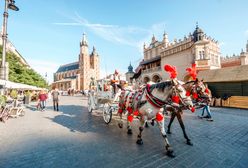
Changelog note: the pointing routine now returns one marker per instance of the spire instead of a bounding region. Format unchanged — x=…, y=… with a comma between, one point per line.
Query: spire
x=144, y=46
x=130, y=68
x=84, y=40
x=165, y=38
x=164, y=33
x=153, y=38
x=94, y=51
x=198, y=33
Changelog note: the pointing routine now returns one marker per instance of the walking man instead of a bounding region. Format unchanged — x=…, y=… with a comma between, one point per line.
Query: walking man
x=55, y=96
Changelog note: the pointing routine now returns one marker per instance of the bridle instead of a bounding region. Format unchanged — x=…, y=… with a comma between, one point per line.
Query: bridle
x=176, y=89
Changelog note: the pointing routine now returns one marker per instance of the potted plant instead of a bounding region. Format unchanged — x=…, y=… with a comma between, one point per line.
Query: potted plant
x=13, y=94
x=3, y=99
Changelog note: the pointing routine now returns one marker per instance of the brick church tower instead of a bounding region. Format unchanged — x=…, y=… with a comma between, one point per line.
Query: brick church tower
x=89, y=65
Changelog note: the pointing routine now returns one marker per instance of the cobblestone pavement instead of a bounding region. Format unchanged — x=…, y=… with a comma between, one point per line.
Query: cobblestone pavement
x=73, y=137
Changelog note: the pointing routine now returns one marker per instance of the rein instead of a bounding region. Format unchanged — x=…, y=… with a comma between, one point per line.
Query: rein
x=154, y=100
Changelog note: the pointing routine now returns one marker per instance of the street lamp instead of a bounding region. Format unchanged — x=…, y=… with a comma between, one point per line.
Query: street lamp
x=9, y=4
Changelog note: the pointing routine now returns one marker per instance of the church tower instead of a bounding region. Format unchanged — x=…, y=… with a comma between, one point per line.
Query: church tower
x=84, y=63
x=94, y=64
x=130, y=73
x=89, y=64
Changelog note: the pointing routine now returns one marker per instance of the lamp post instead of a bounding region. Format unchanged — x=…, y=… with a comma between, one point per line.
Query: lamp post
x=9, y=4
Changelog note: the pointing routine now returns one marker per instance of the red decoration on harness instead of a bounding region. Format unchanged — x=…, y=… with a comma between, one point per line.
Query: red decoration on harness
x=120, y=111
x=195, y=95
x=130, y=110
x=172, y=70
x=192, y=109
x=175, y=99
x=207, y=91
x=136, y=113
x=130, y=118
x=188, y=93
x=159, y=117
x=192, y=71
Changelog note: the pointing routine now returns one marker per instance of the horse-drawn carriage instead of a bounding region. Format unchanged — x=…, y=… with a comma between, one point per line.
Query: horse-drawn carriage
x=102, y=97
x=147, y=102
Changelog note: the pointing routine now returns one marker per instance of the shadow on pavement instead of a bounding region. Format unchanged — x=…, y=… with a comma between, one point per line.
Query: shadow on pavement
x=77, y=118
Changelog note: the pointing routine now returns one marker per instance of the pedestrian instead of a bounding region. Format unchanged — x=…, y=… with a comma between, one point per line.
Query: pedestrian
x=207, y=108
x=42, y=98
x=55, y=96
x=208, y=116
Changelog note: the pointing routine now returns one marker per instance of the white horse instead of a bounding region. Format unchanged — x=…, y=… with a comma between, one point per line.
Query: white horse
x=147, y=104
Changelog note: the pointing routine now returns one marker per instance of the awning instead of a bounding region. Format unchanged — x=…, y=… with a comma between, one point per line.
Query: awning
x=13, y=85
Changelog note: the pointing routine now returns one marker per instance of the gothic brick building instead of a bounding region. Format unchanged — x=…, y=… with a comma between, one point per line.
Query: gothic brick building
x=77, y=75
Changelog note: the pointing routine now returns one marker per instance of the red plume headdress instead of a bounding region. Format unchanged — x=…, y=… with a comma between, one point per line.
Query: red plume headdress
x=192, y=71
x=171, y=70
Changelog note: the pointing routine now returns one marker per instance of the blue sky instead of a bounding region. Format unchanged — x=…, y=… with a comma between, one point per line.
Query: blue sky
x=47, y=32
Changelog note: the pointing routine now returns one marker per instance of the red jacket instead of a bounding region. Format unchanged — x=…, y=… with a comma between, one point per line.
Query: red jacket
x=42, y=97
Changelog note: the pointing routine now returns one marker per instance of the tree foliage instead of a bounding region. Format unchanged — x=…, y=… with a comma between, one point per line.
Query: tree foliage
x=21, y=73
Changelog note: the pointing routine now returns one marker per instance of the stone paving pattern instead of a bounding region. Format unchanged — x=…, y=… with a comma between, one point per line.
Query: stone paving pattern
x=73, y=137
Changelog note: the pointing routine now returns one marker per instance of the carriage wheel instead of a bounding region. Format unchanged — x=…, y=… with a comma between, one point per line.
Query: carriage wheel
x=90, y=109
x=107, y=114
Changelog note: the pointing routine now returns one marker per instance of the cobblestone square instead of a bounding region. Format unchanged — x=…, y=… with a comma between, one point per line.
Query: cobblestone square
x=73, y=137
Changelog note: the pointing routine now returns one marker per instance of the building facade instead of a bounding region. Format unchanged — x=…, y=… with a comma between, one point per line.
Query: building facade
x=235, y=60
x=195, y=48
x=77, y=75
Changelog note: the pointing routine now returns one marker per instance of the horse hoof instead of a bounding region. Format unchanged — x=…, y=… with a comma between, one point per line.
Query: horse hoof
x=129, y=132
x=120, y=125
x=168, y=132
x=152, y=123
x=146, y=125
x=189, y=143
x=170, y=153
x=139, y=142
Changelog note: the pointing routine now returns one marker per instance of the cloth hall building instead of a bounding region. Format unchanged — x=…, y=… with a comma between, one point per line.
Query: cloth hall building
x=77, y=75
x=195, y=48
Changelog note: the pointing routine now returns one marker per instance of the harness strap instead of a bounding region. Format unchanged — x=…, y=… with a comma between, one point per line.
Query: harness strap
x=154, y=100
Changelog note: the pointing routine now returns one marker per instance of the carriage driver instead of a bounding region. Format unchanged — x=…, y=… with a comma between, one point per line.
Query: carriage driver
x=115, y=81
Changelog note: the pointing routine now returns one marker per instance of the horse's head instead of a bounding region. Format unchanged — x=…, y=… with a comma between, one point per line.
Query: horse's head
x=179, y=95
x=202, y=91
x=197, y=88
x=179, y=92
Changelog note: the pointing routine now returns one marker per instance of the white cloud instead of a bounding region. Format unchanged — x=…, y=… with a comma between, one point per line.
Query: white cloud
x=44, y=67
x=130, y=35
x=126, y=35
